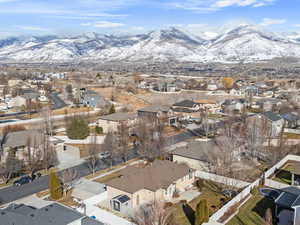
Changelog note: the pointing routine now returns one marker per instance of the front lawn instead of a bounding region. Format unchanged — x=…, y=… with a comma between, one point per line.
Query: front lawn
x=253, y=211
x=209, y=192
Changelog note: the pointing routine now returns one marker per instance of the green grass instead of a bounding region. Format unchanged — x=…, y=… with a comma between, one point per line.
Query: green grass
x=253, y=211
x=210, y=192
x=284, y=175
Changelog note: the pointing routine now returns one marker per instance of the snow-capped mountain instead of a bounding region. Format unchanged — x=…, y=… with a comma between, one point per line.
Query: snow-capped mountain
x=245, y=42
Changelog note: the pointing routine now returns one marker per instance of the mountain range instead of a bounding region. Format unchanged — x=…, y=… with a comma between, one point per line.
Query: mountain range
x=242, y=43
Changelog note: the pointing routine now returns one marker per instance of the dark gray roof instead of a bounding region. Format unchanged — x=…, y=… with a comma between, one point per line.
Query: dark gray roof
x=54, y=214
x=272, y=116
x=198, y=150
x=90, y=221
x=185, y=103
x=290, y=117
x=122, y=198
x=155, y=108
x=119, y=116
x=20, y=138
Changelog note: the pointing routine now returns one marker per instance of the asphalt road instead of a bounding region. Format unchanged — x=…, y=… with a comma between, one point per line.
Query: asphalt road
x=12, y=193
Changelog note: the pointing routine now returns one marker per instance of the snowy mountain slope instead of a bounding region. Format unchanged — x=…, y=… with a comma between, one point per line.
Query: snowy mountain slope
x=244, y=42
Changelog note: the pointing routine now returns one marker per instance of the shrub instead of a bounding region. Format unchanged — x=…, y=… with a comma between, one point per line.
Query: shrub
x=55, y=186
x=254, y=191
x=202, y=213
x=112, y=109
x=199, y=184
x=99, y=130
x=78, y=129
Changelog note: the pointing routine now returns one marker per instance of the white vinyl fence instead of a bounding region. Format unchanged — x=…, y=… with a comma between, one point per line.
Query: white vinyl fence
x=222, y=180
x=243, y=194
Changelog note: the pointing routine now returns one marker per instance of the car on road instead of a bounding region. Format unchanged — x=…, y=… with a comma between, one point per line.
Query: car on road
x=104, y=155
x=23, y=180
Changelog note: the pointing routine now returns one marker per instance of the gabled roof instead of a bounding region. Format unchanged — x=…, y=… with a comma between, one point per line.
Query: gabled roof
x=290, y=117
x=198, y=150
x=21, y=138
x=185, y=103
x=54, y=214
x=158, y=175
x=119, y=116
x=272, y=116
x=155, y=108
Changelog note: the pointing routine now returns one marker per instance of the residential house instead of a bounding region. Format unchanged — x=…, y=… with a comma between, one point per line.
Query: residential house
x=234, y=105
x=159, y=112
x=14, y=82
x=186, y=105
x=93, y=99
x=195, y=154
x=138, y=185
x=269, y=104
x=287, y=206
x=17, y=101
x=30, y=95
x=292, y=120
x=269, y=121
x=53, y=214
x=211, y=86
x=237, y=91
x=17, y=142
x=111, y=123
x=209, y=106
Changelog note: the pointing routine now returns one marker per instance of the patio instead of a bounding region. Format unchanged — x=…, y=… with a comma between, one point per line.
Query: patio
x=187, y=195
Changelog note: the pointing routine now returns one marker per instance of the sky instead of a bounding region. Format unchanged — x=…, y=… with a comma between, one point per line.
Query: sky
x=68, y=17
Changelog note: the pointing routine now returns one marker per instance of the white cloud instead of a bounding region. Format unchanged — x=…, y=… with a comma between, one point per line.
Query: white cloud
x=103, y=24
x=31, y=28
x=270, y=21
x=214, y=5
x=296, y=25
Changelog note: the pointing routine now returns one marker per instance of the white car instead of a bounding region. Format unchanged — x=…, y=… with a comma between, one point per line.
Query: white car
x=104, y=155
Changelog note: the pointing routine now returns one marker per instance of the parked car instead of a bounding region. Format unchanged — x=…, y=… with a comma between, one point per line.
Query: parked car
x=104, y=155
x=23, y=180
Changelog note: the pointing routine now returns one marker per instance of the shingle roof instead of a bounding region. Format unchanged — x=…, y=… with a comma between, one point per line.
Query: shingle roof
x=155, y=108
x=119, y=116
x=290, y=117
x=185, y=103
x=54, y=214
x=196, y=150
x=21, y=138
x=157, y=175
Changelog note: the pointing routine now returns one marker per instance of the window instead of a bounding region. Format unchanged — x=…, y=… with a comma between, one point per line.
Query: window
x=116, y=205
x=190, y=174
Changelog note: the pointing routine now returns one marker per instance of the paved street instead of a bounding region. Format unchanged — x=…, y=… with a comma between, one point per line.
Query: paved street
x=12, y=193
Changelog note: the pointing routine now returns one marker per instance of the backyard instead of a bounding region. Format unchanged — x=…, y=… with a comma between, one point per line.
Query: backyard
x=184, y=213
x=284, y=174
x=253, y=211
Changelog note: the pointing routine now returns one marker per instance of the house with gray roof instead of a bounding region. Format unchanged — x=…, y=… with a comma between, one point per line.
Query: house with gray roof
x=93, y=99
x=272, y=122
x=54, y=214
x=111, y=122
x=158, y=111
x=195, y=154
x=18, y=141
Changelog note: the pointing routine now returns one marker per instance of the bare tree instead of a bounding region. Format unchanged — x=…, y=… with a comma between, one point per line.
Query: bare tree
x=151, y=138
x=48, y=152
x=93, y=159
x=69, y=178
x=33, y=155
x=154, y=213
x=123, y=147
x=110, y=146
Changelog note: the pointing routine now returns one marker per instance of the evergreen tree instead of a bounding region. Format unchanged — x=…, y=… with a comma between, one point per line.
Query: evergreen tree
x=112, y=109
x=78, y=128
x=201, y=214
x=55, y=186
